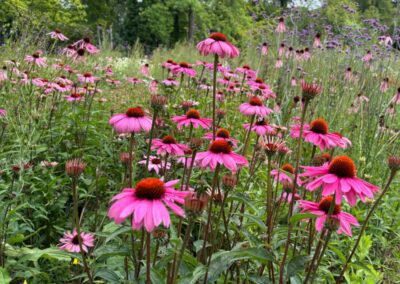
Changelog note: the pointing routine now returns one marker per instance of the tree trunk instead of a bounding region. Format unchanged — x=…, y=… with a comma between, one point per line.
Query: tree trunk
x=191, y=25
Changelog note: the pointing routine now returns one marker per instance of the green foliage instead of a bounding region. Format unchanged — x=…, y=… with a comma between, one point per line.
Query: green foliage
x=340, y=17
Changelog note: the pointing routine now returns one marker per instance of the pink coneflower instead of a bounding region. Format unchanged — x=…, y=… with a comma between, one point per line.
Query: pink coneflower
x=168, y=145
x=281, y=49
x=40, y=82
x=63, y=80
x=384, y=85
x=74, y=97
x=396, y=98
x=133, y=121
x=281, y=28
x=261, y=127
x=134, y=80
x=220, y=96
x=205, y=87
x=287, y=196
x=367, y=57
x=317, y=41
x=69, y=242
x=348, y=75
x=155, y=164
x=69, y=51
x=307, y=54
x=285, y=174
x=278, y=63
x=170, y=82
x=3, y=112
x=222, y=134
x=255, y=83
x=321, y=209
x=339, y=178
x=61, y=87
x=233, y=89
x=169, y=64
x=113, y=82
x=36, y=59
x=385, y=40
x=144, y=69
x=3, y=74
x=317, y=134
x=265, y=91
x=220, y=152
x=184, y=68
x=87, y=78
x=86, y=45
x=57, y=34
x=289, y=52
x=254, y=107
x=344, y=142
x=153, y=87
x=220, y=68
x=264, y=48
x=293, y=82
x=109, y=71
x=217, y=43
x=224, y=81
x=146, y=204
x=193, y=118
x=245, y=69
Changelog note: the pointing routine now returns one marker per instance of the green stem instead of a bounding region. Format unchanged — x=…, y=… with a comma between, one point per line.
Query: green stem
x=78, y=229
x=214, y=92
x=386, y=188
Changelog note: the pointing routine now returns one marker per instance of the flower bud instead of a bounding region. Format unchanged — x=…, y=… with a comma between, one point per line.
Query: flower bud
x=75, y=167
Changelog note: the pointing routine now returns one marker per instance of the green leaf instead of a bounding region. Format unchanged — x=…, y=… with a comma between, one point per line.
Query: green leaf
x=108, y=275
x=297, y=264
x=297, y=217
x=223, y=260
x=4, y=276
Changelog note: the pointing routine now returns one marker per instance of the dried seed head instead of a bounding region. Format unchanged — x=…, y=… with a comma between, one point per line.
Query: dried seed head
x=229, y=181
x=196, y=202
x=394, y=163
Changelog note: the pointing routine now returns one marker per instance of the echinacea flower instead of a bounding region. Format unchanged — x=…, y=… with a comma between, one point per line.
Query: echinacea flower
x=184, y=68
x=3, y=112
x=264, y=48
x=74, y=97
x=144, y=69
x=134, y=80
x=317, y=41
x=193, y=118
x=317, y=134
x=285, y=174
x=255, y=107
x=147, y=204
x=168, y=145
x=85, y=44
x=396, y=98
x=217, y=43
x=57, y=34
x=155, y=164
x=321, y=210
x=36, y=59
x=87, y=78
x=170, y=82
x=281, y=28
x=69, y=242
x=133, y=121
x=339, y=177
x=220, y=152
x=221, y=134
x=261, y=127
